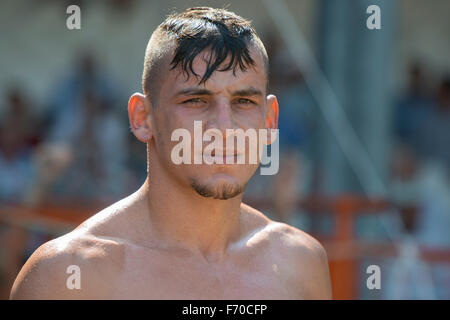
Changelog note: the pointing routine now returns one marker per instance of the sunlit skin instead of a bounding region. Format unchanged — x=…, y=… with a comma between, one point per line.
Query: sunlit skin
x=166, y=241
x=223, y=102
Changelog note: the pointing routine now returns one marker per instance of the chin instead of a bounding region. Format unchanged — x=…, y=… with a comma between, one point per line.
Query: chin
x=218, y=186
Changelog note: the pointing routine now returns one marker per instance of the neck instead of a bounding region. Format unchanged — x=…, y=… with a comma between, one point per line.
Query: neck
x=180, y=217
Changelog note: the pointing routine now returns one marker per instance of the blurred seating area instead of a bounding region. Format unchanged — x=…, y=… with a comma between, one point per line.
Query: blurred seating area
x=66, y=149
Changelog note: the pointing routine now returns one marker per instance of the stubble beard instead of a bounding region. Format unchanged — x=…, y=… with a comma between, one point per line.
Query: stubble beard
x=221, y=192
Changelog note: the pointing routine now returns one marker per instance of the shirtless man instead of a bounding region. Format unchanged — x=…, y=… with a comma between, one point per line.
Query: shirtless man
x=185, y=234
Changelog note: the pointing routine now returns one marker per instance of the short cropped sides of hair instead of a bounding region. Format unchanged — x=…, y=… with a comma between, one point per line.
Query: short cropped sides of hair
x=183, y=36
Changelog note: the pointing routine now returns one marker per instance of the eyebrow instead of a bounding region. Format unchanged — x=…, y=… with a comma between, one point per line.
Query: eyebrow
x=248, y=92
x=195, y=91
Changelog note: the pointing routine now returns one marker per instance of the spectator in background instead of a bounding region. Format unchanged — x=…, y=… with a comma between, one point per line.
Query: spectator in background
x=65, y=104
x=421, y=175
x=435, y=135
x=18, y=138
x=406, y=186
x=421, y=190
x=411, y=111
x=98, y=154
x=85, y=141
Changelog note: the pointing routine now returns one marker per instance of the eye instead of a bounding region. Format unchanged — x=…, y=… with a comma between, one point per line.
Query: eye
x=195, y=102
x=245, y=102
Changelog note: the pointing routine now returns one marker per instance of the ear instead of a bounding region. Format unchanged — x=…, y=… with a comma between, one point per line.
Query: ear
x=272, y=112
x=272, y=118
x=139, y=114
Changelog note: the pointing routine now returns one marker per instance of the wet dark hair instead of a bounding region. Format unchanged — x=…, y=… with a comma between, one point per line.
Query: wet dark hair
x=191, y=32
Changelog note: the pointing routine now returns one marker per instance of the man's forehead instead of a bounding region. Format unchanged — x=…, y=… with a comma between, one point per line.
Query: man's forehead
x=237, y=90
x=232, y=79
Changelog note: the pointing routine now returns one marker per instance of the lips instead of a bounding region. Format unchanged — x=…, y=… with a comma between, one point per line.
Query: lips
x=225, y=160
x=224, y=153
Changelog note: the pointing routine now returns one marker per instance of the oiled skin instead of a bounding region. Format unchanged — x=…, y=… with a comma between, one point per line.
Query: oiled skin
x=269, y=260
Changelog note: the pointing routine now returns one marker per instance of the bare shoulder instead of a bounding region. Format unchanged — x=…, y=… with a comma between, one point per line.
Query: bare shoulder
x=296, y=242
x=284, y=236
x=300, y=255
x=78, y=265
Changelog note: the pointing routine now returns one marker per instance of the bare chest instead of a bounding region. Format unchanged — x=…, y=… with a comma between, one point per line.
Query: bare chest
x=150, y=275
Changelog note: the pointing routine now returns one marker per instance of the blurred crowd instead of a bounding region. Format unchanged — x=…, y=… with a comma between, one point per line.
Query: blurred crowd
x=421, y=157
x=80, y=149
x=420, y=181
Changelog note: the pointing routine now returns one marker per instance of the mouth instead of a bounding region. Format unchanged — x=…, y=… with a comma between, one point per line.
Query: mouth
x=224, y=153
x=223, y=157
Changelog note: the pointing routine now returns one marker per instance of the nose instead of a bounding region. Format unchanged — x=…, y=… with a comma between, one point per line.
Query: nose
x=222, y=117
